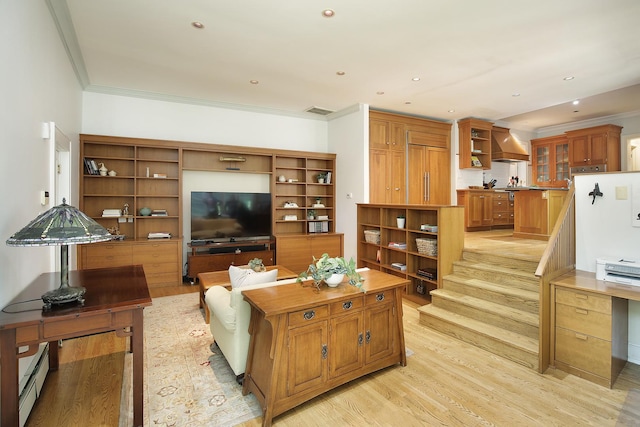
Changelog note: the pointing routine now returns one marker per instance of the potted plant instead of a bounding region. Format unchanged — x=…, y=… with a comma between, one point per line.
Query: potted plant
x=311, y=214
x=331, y=271
x=400, y=219
x=321, y=177
x=257, y=265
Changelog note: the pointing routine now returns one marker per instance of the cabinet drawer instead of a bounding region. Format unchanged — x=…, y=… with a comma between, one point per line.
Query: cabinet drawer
x=156, y=279
x=164, y=267
x=586, y=300
x=347, y=306
x=584, y=321
x=309, y=315
x=155, y=257
x=501, y=218
x=584, y=352
x=500, y=205
x=379, y=297
x=123, y=250
x=107, y=261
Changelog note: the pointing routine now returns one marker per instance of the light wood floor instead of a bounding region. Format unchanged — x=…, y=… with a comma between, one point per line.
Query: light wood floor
x=446, y=382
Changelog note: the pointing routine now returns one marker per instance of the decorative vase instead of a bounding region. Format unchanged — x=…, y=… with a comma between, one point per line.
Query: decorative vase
x=400, y=222
x=145, y=211
x=334, y=280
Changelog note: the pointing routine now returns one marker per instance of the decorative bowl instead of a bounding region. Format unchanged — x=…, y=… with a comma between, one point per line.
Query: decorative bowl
x=145, y=211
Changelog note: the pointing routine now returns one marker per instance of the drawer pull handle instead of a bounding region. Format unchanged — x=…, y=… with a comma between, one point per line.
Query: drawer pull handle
x=308, y=315
x=582, y=337
x=360, y=339
x=582, y=311
x=582, y=296
x=380, y=297
x=324, y=351
x=347, y=305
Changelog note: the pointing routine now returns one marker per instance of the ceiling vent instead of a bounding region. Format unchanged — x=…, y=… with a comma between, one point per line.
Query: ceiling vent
x=318, y=110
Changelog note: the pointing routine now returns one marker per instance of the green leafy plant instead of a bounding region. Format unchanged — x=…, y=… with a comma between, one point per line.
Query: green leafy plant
x=322, y=268
x=322, y=175
x=256, y=265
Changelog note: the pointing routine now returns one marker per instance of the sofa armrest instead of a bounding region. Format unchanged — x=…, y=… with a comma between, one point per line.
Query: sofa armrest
x=218, y=299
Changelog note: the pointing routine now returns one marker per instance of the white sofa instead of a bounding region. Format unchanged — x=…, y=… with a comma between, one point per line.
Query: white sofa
x=230, y=315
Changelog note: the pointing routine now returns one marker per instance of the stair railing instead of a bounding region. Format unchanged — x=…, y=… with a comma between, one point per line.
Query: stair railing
x=558, y=258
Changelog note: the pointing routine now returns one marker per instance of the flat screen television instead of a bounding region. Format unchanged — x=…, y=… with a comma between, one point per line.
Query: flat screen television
x=230, y=216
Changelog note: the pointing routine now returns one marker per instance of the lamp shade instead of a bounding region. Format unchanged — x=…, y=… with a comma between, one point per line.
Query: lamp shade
x=60, y=225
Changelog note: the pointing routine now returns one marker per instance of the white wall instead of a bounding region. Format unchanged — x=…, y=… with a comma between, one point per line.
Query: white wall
x=38, y=85
x=348, y=138
x=606, y=228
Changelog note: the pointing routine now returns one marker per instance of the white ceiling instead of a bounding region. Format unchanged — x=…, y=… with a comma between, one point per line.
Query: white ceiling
x=470, y=56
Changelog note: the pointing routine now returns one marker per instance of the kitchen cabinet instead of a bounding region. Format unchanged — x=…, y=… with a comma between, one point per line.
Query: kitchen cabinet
x=478, y=209
x=305, y=342
x=502, y=210
x=389, y=135
x=486, y=209
x=429, y=178
x=387, y=176
x=536, y=212
x=550, y=161
x=475, y=144
x=599, y=145
x=387, y=152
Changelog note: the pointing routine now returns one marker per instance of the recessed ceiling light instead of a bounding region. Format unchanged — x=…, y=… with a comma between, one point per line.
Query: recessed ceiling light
x=576, y=102
x=379, y=92
x=328, y=13
x=254, y=82
x=452, y=111
x=515, y=95
x=407, y=102
x=569, y=78
x=416, y=79
x=197, y=24
x=340, y=73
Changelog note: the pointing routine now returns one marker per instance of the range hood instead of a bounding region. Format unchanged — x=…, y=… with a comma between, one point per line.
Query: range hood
x=504, y=147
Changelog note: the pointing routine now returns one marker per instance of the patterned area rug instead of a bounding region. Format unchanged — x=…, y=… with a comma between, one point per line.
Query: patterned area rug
x=185, y=384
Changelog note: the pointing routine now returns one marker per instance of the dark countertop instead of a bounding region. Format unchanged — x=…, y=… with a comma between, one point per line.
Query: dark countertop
x=529, y=188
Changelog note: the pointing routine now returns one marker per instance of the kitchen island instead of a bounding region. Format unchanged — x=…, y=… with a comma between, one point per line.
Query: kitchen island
x=536, y=210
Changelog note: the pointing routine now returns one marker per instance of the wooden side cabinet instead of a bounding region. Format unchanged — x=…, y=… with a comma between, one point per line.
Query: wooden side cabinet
x=475, y=143
x=478, y=209
x=305, y=342
x=590, y=326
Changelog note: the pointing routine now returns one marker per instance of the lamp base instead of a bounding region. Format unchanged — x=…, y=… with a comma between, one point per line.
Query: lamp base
x=64, y=295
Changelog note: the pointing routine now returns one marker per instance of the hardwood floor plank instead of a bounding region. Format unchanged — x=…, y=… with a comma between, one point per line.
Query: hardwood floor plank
x=446, y=382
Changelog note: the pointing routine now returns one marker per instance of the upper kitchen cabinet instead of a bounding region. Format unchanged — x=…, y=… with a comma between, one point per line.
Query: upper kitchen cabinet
x=475, y=143
x=387, y=145
x=385, y=133
x=408, y=159
x=550, y=163
x=598, y=145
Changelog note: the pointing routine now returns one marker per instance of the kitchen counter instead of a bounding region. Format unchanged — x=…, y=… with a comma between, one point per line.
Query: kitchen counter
x=536, y=212
x=529, y=188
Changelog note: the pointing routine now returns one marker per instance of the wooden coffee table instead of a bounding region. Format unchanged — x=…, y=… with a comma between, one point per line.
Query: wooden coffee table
x=221, y=278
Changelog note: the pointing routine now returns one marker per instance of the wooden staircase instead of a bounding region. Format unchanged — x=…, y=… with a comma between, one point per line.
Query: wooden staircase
x=492, y=302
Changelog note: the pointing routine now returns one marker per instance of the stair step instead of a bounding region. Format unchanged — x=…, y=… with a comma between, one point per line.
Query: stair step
x=497, y=274
x=504, y=343
x=516, y=298
x=516, y=262
x=495, y=314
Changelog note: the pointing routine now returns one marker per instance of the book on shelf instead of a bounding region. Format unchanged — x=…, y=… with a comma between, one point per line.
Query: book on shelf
x=159, y=175
x=111, y=213
x=399, y=266
x=475, y=161
x=159, y=212
x=328, y=179
x=91, y=167
x=159, y=236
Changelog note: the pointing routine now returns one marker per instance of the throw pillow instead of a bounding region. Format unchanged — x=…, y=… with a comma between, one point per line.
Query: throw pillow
x=241, y=277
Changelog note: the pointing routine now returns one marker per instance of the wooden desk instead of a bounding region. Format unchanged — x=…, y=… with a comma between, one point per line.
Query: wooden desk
x=305, y=342
x=114, y=301
x=221, y=278
x=589, y=318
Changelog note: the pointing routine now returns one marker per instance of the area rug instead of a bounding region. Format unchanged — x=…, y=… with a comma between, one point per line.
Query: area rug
x=185, y=384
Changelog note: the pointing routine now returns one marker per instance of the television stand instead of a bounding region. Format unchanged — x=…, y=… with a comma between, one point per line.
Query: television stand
x=205, y=257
